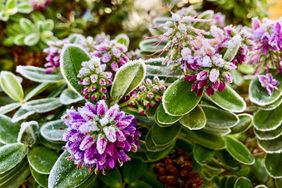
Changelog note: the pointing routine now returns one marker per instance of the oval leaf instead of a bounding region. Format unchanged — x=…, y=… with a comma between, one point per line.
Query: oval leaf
x=194, y=120
x=71, y=58
x=9, y=107
x=53, y=130
x=239, y=151
x=65, y=173
x=8, y=130
x=269, y=135
x=127, y=78
x=204, y=139
x=273, y=164
x=164, y=119
x=164, y=135
x=217, y=118
x=178, y=99
x=267, y=120
x=245, y=122
x=69, y=96
x=42, y=105
x=201, y=154
x=11, y=86
x=42, y=159
x=259, y=95
x=11, y=155
x=243, y=182
x=229, y=100
x=271, y=146
x=38, y=74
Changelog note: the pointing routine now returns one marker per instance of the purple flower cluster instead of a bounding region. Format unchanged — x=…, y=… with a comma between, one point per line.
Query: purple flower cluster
x=53, y=55
x=268, y=82
x=40, y=4
x=267, y=36
x=100, y=137
x=112, y=54
x=94, y=79
x=207, y=62
x=147, y=96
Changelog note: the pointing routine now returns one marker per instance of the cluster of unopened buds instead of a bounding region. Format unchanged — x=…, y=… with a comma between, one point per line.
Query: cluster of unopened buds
x=267, y=36
x=53, y=55
x=111, y=53
x=147, y=96
x=94, y=79
x=99, y=137
x=40, y=4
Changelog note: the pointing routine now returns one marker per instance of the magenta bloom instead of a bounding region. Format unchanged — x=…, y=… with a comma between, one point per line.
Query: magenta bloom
x=100, y=137
x=268, y=82
x=40, y=4
x=53, y=55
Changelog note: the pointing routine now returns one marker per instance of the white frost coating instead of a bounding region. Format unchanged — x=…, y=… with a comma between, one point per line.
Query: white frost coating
x=123, y=36
x=42, y=105
x=62, y=63
x=232, y=48
x=27, y=127
x=66, y=98
x=51, y=133
x=123, y=68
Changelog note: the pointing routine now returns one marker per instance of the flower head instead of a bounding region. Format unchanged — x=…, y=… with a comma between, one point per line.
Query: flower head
x=112, y=54
x=40, y=4
x=269, y=83
x=53, y=55
x=100, y=137
x=147, y=96
x=94, y=79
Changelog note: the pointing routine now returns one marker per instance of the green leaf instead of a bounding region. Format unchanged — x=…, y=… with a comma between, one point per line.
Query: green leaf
x=42, y=105
x=47, y=25
x=36, y=90
x=216, y=130
x=194, y=120
x=229, y=100
x=151, y=146
x=156, y=156
x=129, y=172
x=245, y=122
x=38, y=74
x=246, y=68
x=41, y=179
x=217, y=118
x=32, y=39
x=71, y=58
x=9, y=107
x=28, y=133
x=178, y=99
x=150, y=45
x=202, y=155
x=11, y=86
x=11, y=155
x=271, y=146
x=127, y=78
x=42, y=159
x=210, y=141
x=8, y=130
x=65, y=173
x=243, y=182
x=273, y=164
x=21, y=114
x=69, y=96
x=24, y=7
x=113, y=178
x=239, y=151
x=258, y=95
x=268, y=135
x=17, y=178
x=267, y=120
x=164, y=119
x=232, y=48
x=27, y=25
x=53, y=130
x=122, y=39
x=164, y=135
